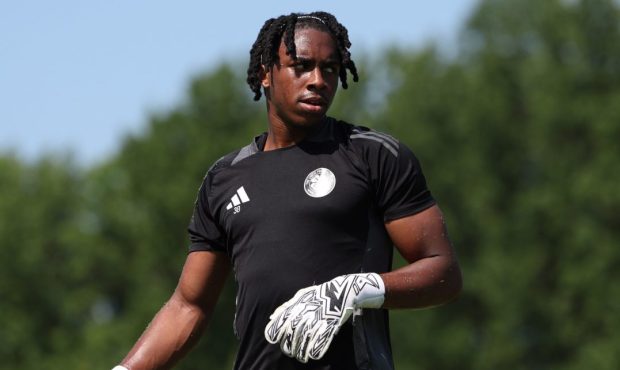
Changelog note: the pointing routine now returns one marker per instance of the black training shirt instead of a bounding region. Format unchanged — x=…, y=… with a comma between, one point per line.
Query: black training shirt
x=302, y=215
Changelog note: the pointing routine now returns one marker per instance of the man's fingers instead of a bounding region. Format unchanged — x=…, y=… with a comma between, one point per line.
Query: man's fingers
x=319, y=343
x=272, y=333
x=275, y=328
x=302, y=353
x=307, y=328
x=307, y=340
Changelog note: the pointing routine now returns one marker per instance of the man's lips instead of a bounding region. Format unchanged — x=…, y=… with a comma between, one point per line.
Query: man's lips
x=313, y=99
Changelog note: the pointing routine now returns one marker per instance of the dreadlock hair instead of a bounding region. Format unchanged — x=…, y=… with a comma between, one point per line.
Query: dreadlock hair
x=264, y=51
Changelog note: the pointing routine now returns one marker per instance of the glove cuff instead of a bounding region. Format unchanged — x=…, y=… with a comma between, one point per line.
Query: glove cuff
x=372, y=290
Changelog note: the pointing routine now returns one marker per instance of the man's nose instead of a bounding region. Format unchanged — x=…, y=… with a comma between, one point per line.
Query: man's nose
x=317, y=80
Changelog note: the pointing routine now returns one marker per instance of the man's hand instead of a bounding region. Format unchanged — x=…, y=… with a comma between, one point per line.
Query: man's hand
x=306, y=324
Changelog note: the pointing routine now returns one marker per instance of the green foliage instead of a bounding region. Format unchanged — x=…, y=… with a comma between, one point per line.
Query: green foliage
x=45, y=290
x=518, y=140
x=517, y=137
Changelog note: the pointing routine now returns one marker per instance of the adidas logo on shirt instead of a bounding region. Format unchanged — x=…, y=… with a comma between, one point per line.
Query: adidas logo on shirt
x=236, y=200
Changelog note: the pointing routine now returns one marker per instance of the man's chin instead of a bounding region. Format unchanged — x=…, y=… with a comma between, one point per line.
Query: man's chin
x=309, y=122
x=308, y=119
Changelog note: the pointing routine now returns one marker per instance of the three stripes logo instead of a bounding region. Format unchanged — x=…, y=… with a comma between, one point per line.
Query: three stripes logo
x=236, y=200
x=387, y=141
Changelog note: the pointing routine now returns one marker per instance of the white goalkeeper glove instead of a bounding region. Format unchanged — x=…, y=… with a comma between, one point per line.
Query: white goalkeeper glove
x=306, y=324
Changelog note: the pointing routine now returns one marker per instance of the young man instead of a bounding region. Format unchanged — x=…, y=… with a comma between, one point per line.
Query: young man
x=307, y=215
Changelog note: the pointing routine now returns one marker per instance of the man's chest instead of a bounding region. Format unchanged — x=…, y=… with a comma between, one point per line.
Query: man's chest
x=289, y=191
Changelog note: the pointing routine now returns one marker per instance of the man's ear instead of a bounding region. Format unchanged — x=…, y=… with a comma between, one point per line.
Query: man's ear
x=265, y=76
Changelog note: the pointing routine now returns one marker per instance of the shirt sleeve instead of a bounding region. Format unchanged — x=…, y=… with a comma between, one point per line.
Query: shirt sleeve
x=399, y=184
x=204, y=232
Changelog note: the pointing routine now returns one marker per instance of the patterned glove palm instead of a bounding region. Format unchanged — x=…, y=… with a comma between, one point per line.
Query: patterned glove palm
x=306, y=324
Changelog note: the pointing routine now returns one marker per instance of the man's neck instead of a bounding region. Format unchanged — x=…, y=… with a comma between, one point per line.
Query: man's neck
x=282, y=135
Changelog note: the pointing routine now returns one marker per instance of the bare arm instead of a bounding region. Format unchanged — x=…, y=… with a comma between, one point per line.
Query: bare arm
x=433, y=275
x=178, y=325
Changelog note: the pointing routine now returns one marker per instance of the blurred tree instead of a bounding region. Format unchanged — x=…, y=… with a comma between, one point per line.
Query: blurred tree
x=518, y=139
x=44, y=296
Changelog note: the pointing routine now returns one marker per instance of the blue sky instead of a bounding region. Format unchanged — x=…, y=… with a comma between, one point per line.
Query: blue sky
x=76, y=76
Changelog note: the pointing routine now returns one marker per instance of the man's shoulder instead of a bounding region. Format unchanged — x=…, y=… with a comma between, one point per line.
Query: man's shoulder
x=364, y=138
x=231, y=159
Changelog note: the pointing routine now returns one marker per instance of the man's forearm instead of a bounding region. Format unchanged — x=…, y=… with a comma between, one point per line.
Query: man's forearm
x=173, y=331
x=427, y=282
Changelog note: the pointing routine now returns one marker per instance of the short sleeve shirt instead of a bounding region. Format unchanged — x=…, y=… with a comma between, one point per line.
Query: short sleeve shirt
x=302, y=215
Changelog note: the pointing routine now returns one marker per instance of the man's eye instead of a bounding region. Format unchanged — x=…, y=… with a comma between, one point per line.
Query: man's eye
x=329, y=69
x=302, y=66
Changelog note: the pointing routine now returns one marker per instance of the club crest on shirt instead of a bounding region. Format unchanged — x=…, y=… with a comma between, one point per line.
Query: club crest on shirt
x=319, y=182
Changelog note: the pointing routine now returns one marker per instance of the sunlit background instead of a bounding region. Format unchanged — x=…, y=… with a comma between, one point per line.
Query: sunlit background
x=77, y=76
x=111, y=113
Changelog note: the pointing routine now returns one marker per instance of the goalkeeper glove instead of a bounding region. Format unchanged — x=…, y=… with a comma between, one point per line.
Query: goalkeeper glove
x=306, y=324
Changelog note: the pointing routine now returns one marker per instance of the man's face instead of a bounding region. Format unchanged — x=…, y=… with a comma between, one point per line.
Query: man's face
x=299, y=92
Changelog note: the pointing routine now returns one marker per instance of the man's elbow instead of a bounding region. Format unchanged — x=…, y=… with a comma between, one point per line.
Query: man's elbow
x=453, y=283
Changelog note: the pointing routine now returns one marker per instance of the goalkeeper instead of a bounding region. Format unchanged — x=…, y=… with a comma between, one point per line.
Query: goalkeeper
x=307, y=215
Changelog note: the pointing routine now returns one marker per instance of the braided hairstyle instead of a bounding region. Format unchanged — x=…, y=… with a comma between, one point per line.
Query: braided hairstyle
x=265, y=48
